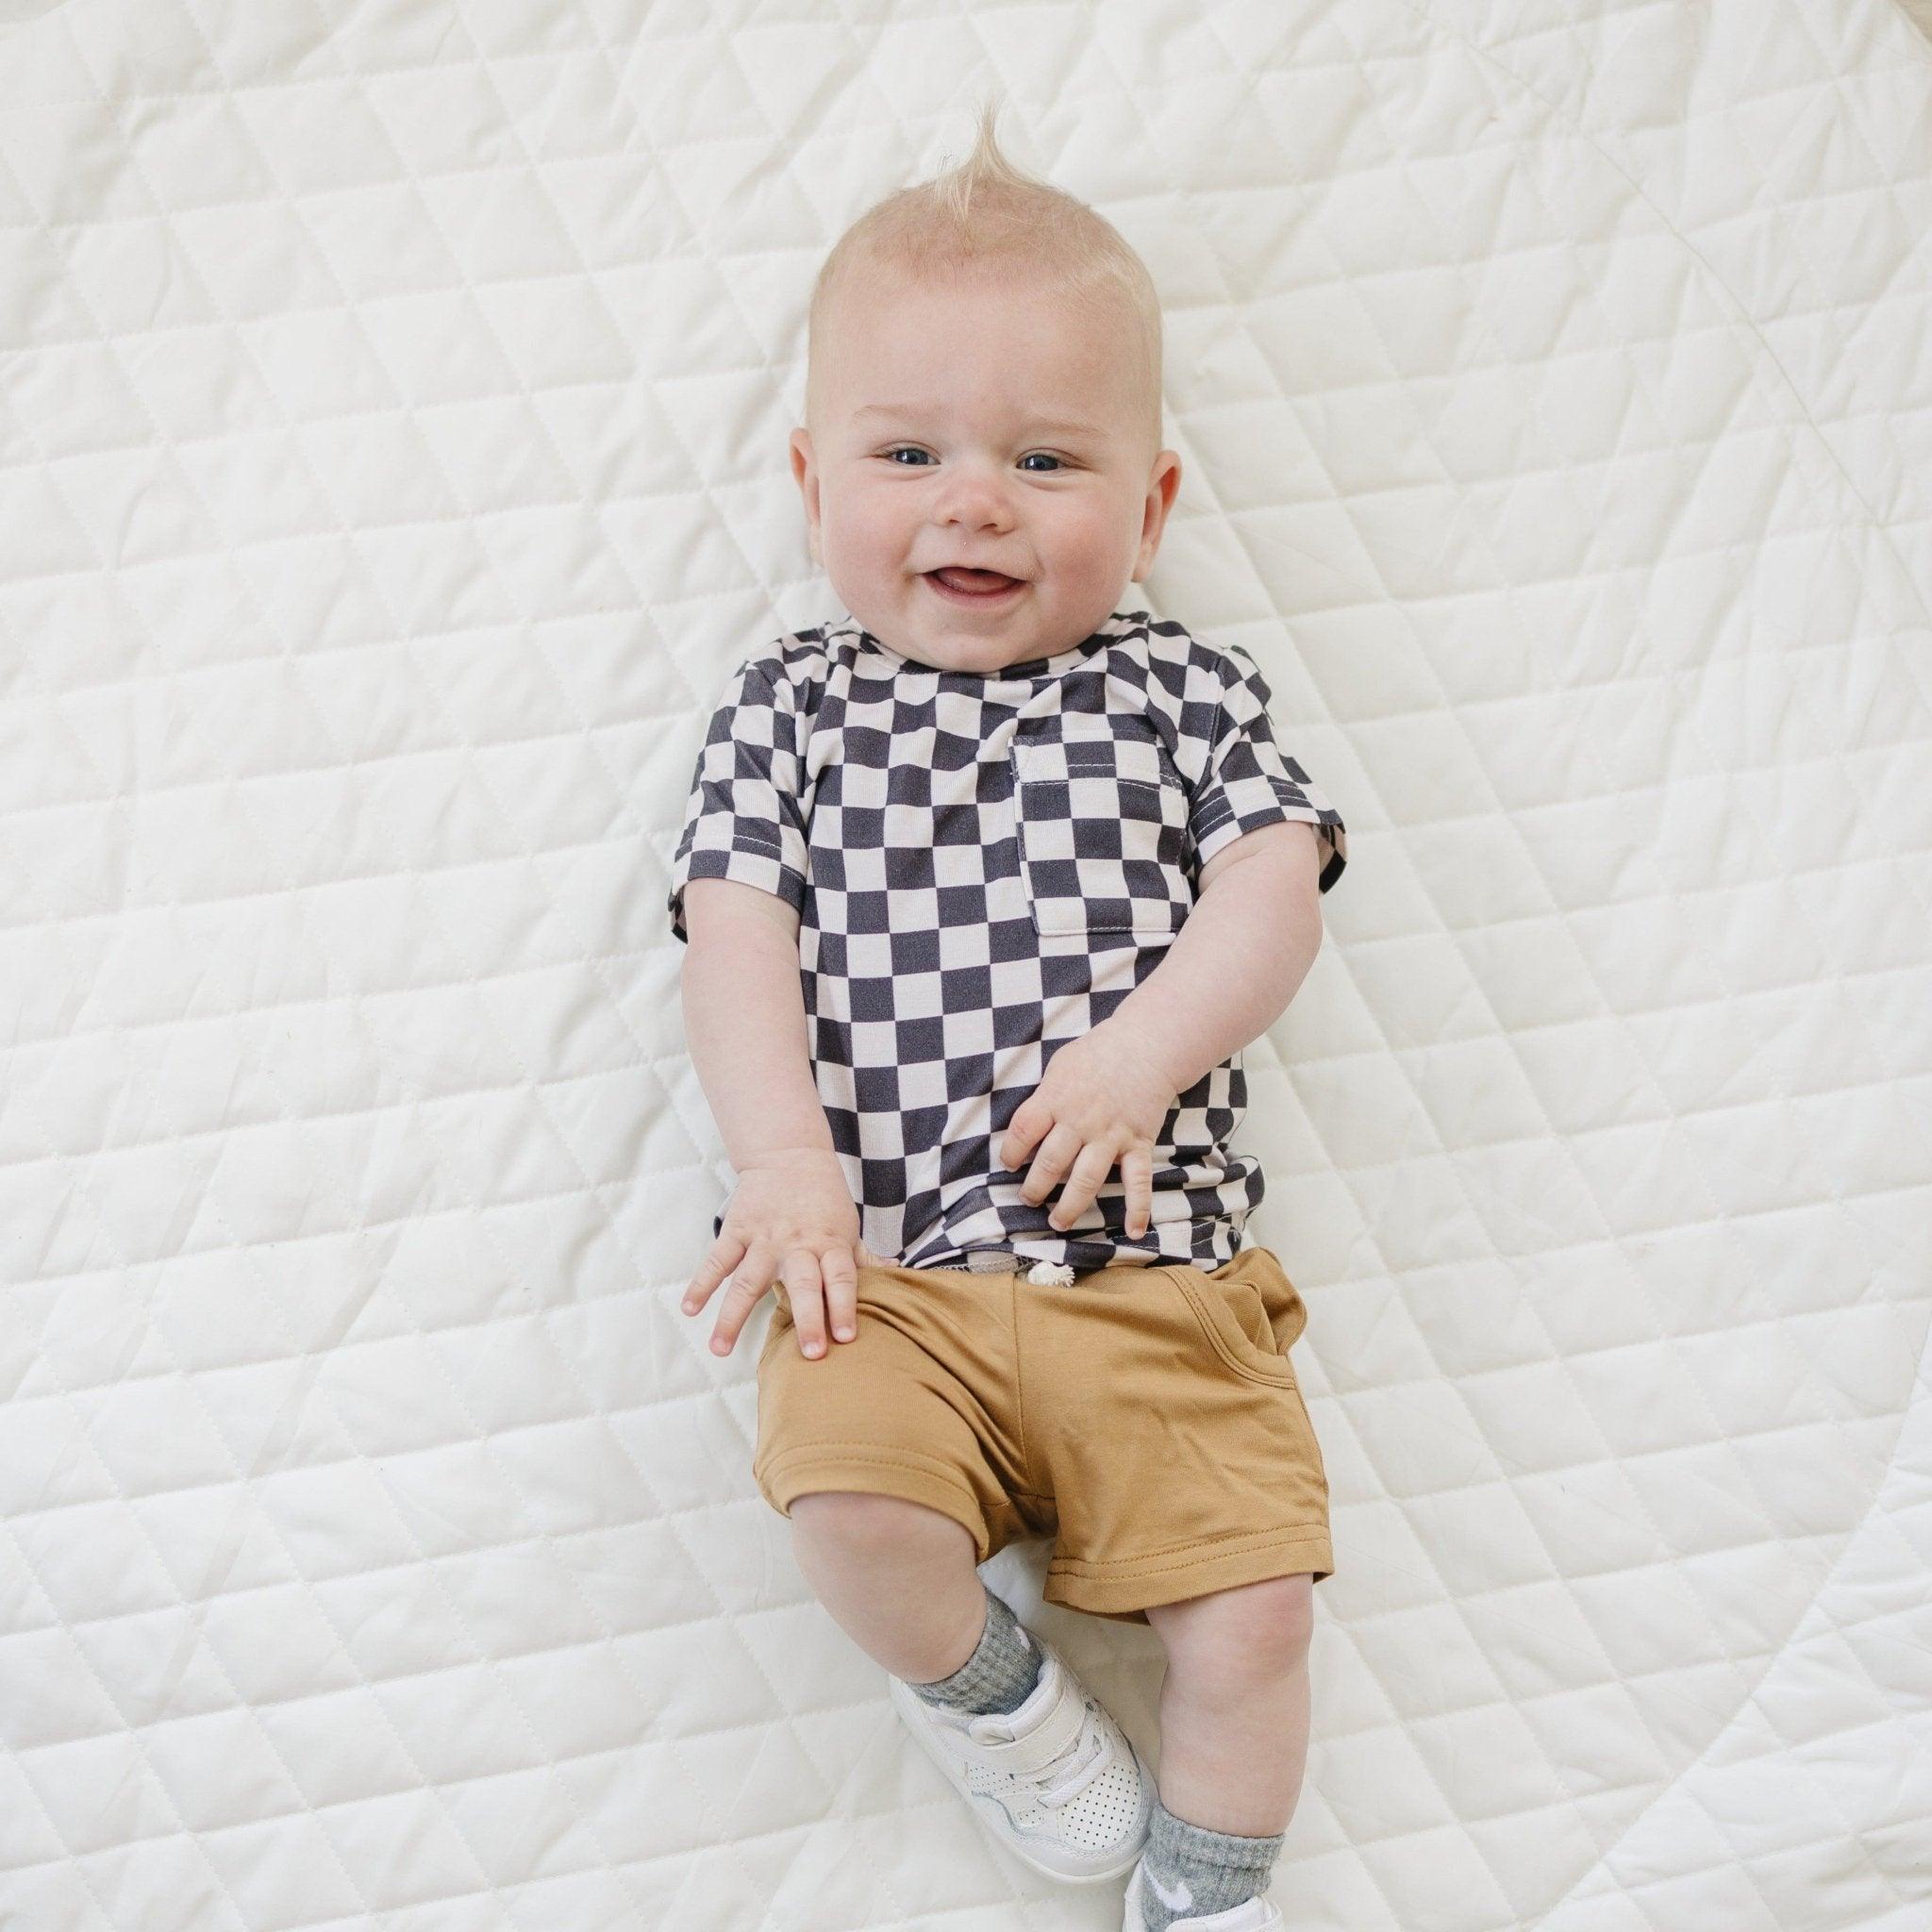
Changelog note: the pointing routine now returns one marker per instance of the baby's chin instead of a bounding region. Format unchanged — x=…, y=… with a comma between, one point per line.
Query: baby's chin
x=935, y=631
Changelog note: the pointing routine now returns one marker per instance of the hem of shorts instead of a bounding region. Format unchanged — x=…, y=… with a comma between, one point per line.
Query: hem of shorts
x=1131, y=1583
x=875, y=1475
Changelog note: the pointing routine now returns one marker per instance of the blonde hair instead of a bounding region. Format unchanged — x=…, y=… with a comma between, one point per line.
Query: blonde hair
x=987, y=213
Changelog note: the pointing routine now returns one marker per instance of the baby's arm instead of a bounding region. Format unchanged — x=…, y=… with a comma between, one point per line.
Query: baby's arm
x=1243, y=952
x=745, y=1020
x=1240, y=958
x=792, y=1215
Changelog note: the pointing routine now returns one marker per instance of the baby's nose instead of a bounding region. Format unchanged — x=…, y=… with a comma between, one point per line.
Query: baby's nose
x=981, y=510
x=971, y=490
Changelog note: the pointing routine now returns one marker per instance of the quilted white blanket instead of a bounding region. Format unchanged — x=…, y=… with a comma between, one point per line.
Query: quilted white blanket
x=393, y=403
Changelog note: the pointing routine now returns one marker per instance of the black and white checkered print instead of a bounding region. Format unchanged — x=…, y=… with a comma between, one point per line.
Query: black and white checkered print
x=985, y=865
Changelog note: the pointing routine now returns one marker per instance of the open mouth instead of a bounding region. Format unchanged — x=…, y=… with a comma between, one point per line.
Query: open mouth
x=973, y=586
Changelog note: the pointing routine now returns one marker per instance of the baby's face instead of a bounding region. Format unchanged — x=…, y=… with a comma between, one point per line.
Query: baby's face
x=985, y=424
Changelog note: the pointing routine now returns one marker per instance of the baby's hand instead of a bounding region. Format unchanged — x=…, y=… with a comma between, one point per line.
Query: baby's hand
x=791, y=1215
x=1102, y=1101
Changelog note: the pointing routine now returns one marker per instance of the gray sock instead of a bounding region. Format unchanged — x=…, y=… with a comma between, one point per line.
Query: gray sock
x=999, y=1674
x=1200, y=1872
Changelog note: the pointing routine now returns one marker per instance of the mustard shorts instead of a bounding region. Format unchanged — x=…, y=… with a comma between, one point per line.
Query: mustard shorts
x=1144, y=1416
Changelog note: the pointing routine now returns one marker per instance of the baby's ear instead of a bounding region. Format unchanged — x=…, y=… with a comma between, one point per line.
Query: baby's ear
x=802, y=473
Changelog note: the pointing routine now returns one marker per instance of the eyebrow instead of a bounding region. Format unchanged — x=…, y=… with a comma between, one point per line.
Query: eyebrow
x=1063, y=426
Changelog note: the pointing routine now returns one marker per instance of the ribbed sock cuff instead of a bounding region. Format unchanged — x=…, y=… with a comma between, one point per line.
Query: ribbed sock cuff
x=1209, y=1870
x=1000, y=1675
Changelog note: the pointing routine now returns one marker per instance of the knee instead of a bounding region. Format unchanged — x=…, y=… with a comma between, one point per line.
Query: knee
x=1235, y=1640
x=859, y=1524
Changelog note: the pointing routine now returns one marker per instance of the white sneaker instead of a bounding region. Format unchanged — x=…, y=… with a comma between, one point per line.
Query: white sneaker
x=1057, y=1781
x=1253, y=1915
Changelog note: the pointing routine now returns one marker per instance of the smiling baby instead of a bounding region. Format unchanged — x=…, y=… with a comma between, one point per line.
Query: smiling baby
x=986, y=881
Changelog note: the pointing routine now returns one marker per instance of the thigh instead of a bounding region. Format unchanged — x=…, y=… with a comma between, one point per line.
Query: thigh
x=921, y=1403
x=1182, y=1457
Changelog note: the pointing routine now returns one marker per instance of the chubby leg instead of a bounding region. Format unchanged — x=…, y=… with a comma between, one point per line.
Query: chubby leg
x=899, y=1578
x=1234, y=1705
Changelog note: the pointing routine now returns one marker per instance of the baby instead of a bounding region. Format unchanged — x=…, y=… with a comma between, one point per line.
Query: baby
x=986, y=883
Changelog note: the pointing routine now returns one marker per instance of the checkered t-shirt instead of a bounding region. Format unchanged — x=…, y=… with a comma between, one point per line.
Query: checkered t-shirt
x=985, y=864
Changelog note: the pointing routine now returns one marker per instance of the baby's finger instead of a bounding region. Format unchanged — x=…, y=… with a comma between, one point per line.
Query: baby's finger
x=1031, y=1119
x=801, y=1283
x=725, y=1255
x=1137, y=1178
x=1083, y=1186
x=841, y=1292
x=1055, y=1158
x=742, y=1293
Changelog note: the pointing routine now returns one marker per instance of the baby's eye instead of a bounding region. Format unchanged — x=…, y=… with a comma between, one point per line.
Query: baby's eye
x=1045, y=456
x=904, y=450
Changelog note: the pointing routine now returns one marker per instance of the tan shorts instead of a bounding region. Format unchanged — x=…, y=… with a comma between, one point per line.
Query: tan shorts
x=1144, y=1416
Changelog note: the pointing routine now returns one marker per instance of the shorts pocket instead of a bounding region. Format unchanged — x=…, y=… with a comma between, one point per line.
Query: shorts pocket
x=1101, y=823
x=1236, y=1318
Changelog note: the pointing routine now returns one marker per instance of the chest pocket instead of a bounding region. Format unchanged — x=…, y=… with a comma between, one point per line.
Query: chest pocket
x=1102, y=826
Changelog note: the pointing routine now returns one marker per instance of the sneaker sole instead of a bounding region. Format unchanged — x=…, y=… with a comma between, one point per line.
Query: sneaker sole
x=907, y=1702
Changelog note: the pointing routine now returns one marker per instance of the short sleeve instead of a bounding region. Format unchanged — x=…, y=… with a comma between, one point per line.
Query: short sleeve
x=1249, y=781
x=744, y=818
